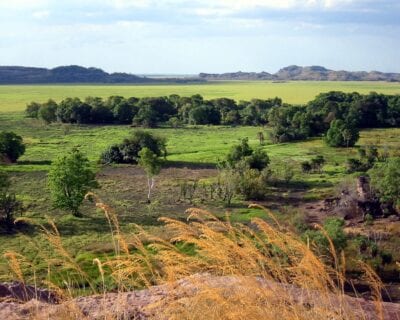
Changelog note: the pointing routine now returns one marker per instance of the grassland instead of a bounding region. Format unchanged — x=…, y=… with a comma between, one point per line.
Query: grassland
x=15, y=97
x=197, y=148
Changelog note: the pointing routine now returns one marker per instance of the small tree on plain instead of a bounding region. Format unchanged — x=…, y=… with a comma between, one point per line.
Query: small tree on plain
x=151, y=165
x=9, y=204
x=69, y=179
x=11, y=146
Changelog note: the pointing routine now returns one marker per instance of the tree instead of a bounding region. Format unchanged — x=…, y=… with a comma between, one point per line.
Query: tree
x=11, y=145
x=261, y=137
x=69, y=179
x=341, y=134
x=205, y=114
x=150, y=163
x=47, y=111
x=385, y=179
x=32, y=110
x=258, y=160
x=128, y=150
x=9, y=205
x=242, y=152
x=146, y=117
x=239, y=152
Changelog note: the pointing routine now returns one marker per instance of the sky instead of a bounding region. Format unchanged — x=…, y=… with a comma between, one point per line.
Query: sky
x=188, y=37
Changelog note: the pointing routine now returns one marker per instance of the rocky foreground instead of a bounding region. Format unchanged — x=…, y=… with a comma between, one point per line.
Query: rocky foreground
x=23, y=302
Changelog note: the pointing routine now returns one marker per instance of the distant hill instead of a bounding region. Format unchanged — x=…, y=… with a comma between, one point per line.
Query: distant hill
x=71, y=74
x=312, y=73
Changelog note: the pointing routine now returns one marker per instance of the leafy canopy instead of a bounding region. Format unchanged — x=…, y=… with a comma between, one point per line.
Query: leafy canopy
x=11, y=145
x=385, y=179
x=69, y=179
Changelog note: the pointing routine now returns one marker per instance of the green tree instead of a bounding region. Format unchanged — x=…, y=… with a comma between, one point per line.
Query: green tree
x=32, y=110
x=150, y=163
x=11, y=145
x=47, y=111
x=341, y=134
x=385, y=179
x=239, y=152
x=69, y=179
x=9, y=205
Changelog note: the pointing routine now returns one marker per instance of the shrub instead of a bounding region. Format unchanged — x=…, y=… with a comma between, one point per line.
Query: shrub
x=317, y=163
x=9, y=205
x=306, y=167
x=32, y=110
x=333, y=227
x=128, y=150
x=257, y=159
x=385, y=180
x=249, y=183
x=11, y=145
x=111, y=155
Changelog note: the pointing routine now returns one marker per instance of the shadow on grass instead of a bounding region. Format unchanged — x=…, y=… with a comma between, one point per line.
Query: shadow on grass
x=301, y=185
x=34, y=162
x=190, y=165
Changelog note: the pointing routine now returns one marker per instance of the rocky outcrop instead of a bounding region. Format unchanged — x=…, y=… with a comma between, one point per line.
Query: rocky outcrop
x=355, y=203
x=145, y=304
x=311, y=73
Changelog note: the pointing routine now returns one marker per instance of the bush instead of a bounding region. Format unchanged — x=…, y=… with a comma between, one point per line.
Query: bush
x=249, y=183
x=9, y=205
x=128, y=150
x=258, y=159
x=11, y=146
x=334, y=229
x=243, y=152
x=306, y=167
x=32, y=110
x=111, y=155
x=385, y=180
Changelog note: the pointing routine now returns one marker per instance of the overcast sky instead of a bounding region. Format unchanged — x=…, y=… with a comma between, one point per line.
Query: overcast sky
x=182, y=37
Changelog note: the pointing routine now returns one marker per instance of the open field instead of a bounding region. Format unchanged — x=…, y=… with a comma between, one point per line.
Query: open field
x=196, y=148
x=15, y=97
x=193, y=152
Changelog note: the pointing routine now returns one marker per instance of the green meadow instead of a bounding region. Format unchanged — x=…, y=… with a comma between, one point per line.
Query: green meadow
x=15, y=97
x=193, y=152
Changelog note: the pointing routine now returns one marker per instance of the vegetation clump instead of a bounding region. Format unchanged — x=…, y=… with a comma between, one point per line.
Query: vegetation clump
x=11, y=146
x=9, y=204
x=70, y=178
x=385, y=179
x=128, y=150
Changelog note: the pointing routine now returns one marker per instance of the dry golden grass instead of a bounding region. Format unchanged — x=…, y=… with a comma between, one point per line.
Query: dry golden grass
x=264, y=271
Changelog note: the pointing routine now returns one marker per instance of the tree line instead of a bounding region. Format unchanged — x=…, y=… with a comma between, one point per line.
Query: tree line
x=344, y=113
x=173, y=110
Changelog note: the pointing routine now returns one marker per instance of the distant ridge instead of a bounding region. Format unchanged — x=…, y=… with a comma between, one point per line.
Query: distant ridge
x=71, y=74
x=312, y=73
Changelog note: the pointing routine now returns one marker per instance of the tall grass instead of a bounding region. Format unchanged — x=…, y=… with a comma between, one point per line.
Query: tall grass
x=229, y=271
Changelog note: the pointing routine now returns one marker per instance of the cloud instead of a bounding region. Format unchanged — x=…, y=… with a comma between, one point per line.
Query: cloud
x=22, y=4
x=41, y=14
